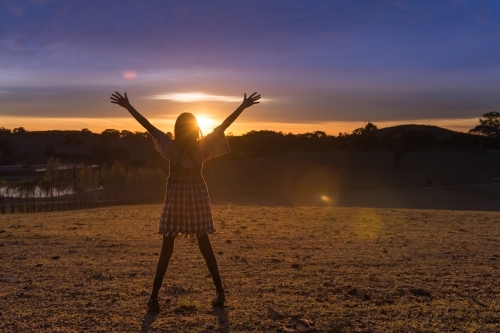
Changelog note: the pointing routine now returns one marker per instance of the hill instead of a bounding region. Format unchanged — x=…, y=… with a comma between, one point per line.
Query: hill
x=438, y=132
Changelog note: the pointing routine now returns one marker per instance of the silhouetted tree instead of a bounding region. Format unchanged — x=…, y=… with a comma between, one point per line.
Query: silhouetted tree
x=126, y=183
x=89, y=181
x=47, y=189
x=4, y=130
x=147, y=135
x=55, y=176
x=86, y=132
x=365, y=137
x=368, y=129
x=489, y=126
x=258, y=143
x=112, y=133
x=125, y=134
x=19, y=130
x=27, y=190
x=138, y=137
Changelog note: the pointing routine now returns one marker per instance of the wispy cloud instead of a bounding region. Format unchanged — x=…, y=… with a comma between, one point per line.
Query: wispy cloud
x=198, y=97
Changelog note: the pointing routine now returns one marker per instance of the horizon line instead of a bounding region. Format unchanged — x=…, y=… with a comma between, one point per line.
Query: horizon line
x=33, y=124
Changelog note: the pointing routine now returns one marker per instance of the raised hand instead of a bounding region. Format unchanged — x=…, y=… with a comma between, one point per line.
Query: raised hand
x=247, y=102
x=122, y=101
x=116, y=98
x=251, y=100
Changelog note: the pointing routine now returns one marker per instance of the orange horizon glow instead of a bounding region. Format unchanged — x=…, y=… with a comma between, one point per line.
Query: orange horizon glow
x=207, y=123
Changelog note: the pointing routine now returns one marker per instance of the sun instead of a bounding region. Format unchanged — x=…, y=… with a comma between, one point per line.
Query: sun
x=205, y=123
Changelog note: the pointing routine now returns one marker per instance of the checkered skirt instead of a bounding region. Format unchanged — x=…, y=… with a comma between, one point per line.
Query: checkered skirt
x=186, y=211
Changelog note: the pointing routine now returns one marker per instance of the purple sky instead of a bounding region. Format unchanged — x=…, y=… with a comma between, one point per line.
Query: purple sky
x=317, y=62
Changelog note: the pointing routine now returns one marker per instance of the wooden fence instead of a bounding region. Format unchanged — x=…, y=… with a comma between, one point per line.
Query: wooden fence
x=22, y=208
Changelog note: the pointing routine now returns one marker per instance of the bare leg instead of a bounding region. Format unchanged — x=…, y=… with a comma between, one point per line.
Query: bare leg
x=167, y=247
x=208, y=253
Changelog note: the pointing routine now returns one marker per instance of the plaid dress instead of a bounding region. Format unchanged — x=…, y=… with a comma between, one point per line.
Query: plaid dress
x=186, y=211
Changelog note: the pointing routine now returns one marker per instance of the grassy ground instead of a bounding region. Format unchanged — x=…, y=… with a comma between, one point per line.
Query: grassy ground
x=350, y=269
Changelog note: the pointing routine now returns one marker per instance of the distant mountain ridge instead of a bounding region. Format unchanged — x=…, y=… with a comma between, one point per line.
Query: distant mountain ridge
x=439, y=132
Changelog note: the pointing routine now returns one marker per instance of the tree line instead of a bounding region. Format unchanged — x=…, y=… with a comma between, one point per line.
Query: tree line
x=117, y=176
x=115, y=145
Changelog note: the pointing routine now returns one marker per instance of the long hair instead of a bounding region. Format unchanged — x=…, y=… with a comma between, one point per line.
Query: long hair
x=186, y=131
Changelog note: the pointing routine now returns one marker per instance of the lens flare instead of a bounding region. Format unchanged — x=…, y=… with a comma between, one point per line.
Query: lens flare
x=310, y=183
x=129, y=75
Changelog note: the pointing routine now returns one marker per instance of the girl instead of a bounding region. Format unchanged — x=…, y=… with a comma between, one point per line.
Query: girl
x=186, y=211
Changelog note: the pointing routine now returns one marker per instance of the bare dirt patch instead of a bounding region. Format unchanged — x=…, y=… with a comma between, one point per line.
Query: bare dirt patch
x=350, y=269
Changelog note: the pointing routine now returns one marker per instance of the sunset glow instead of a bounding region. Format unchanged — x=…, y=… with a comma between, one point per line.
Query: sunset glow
x=323, y=65
x=206, y=124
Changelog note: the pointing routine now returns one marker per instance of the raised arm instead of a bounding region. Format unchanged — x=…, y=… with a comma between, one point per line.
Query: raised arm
x=116, y=98
x=247, y=102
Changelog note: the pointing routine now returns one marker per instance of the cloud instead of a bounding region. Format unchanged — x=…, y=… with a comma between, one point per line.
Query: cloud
x=198, y=97
x=194, y=97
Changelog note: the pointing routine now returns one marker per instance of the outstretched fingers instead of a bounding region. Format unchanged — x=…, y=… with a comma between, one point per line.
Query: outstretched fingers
x=117, y=98
x=255, y=98
x=250, y=100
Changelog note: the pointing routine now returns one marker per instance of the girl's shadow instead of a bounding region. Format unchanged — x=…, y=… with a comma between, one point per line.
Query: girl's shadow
x=221, y=314
x=148, y=320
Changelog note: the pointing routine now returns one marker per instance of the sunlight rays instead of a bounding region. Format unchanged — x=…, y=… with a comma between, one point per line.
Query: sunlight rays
x=206, y=123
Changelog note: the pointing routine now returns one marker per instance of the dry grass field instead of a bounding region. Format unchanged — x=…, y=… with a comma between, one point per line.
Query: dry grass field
x=350, y=269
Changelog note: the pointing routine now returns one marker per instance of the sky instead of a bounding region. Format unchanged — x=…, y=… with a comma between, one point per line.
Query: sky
x=319, y=65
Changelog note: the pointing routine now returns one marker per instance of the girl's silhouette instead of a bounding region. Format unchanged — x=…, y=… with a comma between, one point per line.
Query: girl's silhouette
x=186, y=211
